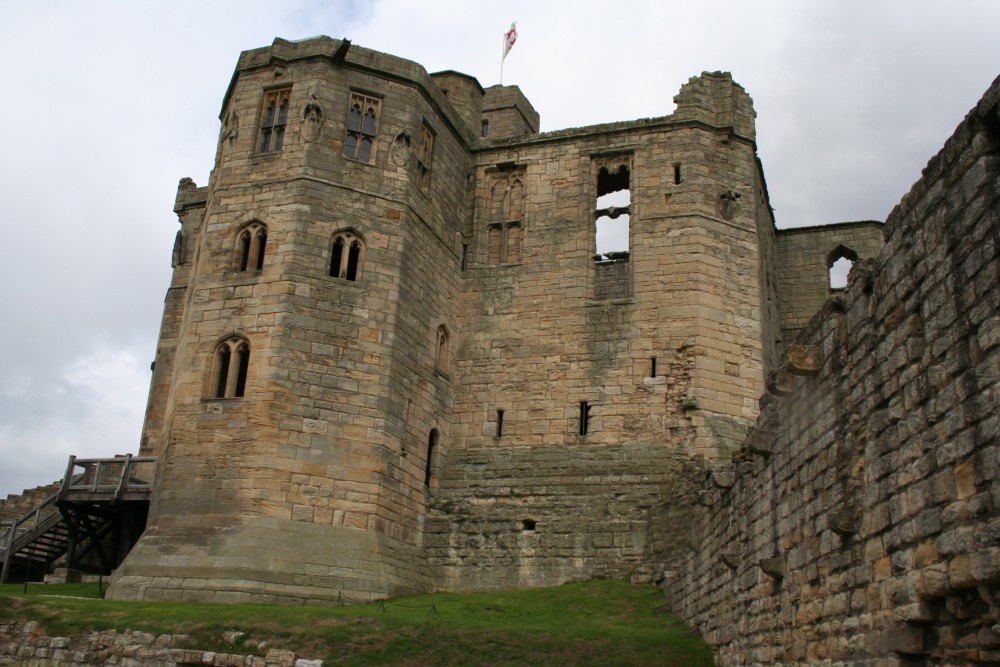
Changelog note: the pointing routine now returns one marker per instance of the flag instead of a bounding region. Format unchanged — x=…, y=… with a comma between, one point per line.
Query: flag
x=509, y=39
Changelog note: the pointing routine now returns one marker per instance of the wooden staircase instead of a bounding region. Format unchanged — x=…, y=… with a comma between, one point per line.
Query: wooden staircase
x=93, y=520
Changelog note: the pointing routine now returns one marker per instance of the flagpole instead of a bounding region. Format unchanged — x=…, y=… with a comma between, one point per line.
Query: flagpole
x=503, y=55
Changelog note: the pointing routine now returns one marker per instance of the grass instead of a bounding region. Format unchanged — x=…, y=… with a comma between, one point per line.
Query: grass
x=590, y=623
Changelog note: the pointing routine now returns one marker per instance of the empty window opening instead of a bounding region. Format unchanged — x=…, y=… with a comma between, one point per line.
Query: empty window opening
x=362, y=118
x=232, y=360
x=677, y=173
x=652, y=367
x=465, y=255
x=584, y=417
x=499, y=423
x=275, y=116
x=838, y=273
x=252, y=242
x=432, y=441
x=838, y=263
x=528, y=525
x=346, y=255
x=612, y=214
x=353, y=257
x=485, y=128
x=336, y=256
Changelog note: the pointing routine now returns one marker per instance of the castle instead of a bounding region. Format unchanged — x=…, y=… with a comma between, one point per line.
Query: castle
x=395, y=357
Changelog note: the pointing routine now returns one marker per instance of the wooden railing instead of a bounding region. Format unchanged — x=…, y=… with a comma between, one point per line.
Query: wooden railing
x=108, y=479
x=123, y=478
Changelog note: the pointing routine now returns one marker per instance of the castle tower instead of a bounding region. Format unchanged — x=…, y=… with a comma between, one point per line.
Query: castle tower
x=302, y=377
x=412, y=343
x=590, y=376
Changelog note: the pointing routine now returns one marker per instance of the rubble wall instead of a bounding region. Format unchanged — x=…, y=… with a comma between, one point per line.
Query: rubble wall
x=859, y=523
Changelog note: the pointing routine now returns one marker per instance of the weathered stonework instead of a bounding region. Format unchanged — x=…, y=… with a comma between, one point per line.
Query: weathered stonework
x=866, y=531
x=389, y=361
x=22, y=643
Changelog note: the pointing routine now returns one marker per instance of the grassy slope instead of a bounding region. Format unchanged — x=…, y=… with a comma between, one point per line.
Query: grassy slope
x=590, y=623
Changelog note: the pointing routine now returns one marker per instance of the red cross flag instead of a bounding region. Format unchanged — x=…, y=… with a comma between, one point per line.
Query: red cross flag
x=509, y=39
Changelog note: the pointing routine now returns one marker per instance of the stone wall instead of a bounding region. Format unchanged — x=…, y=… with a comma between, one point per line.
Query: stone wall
x=802, y=263
x=537, y=516
x=15, y=505
x=859, y=524
x=24, y=643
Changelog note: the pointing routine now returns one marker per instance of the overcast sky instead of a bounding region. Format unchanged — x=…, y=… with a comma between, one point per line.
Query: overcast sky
x=108, y=104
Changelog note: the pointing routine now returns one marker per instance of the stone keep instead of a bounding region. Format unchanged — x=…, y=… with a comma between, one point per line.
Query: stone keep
x=391, y=359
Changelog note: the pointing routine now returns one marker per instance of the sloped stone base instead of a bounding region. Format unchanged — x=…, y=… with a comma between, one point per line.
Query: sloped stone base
x=268, y=560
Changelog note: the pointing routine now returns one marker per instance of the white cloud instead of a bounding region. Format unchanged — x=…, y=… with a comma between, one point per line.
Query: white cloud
x=93, y=409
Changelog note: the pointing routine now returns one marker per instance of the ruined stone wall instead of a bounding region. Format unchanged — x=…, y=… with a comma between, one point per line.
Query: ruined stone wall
x=669, y=365
x=802, y=264
x=859, y=525
x=23, y=643
x=15, y=506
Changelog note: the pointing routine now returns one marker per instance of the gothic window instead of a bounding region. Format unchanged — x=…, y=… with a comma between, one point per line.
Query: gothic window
x=232, y=361
x=273, y=120
x=497, y=200
x=515, y=200
x=441, y=350
x=252, y=241
x=362, y=119
x=504, y=235
x=494, y=244
x=838, y=264
x=346, y=255
x=425, y=152
x=513, y=242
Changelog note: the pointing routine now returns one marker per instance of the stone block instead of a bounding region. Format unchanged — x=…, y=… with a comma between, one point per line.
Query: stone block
x=803, y=359
x=906, y=639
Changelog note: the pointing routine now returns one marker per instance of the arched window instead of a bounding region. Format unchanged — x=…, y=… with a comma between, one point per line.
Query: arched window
x=441, y=350
x=432, y=441
x=838, y=264
x=232, y=361
x=346, y=255
x=252, y=241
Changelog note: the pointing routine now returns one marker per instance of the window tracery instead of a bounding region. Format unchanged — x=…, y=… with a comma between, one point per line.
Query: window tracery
x=232, y=363
x=362, y=120
x=504, y=236
x=346, y=255
x=251, y=245
x=273, y=120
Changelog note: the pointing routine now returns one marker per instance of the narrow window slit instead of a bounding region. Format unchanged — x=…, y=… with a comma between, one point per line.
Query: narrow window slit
x=584, y=417
x=499, y=423
x=652, y=367
x=432, y=441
